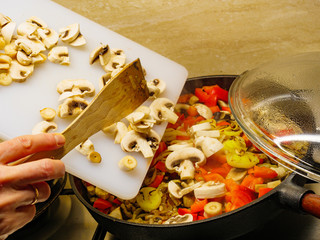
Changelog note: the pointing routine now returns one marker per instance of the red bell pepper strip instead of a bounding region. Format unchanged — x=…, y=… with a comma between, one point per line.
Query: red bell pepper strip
x=263, y=191
x=156, y=182
x=102, y=204
x=250, y=181
x=198, y=205
x=216, y=90
x=263, y=172
x=161, y=166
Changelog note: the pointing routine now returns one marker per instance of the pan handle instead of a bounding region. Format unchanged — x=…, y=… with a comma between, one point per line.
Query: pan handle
x=100, y=233
x=311, y=204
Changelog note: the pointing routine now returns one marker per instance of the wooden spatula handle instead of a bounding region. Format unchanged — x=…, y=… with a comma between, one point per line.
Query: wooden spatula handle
x=311, y=204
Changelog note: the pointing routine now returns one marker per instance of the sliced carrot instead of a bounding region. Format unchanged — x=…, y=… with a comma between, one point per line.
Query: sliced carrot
x=263, y=172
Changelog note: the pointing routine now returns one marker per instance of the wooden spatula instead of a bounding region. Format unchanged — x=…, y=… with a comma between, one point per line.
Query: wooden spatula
x=118, y=98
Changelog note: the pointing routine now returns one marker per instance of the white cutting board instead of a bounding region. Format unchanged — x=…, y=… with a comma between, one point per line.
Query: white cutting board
x=20, y=103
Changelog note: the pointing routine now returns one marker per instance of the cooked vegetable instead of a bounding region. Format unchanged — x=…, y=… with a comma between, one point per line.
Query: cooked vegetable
x=204, y=165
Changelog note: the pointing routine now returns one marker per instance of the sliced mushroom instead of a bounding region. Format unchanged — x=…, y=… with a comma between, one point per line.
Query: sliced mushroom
x=203, y=110
x=4, y=20
x=32, y=47
x=26, y=29
x=180, y=219
x=86, y=147
x=116, y=213
x=117, y=60
x=7, y=31
x=72, y=107
x=162, y=109
x=210, y=134
x=144, y=142
x=5, y=61
x=104, y=79
x=156, y=87
x=79, y=41
x=48, y=114
x=23, y=58
x=37, y=21
x=70, y=33
x=237, y=174
x=210, y=189
x=181, y=107
x=103, y=51
x=75, y=87
x=182, y=161
x=212, y=209
x=48, y=36
x=44, y=127
x=40, y=58
x=180, y=145
x=94, y=157
x=200, y=127
x=59, y=55
x=141, y=120
x=208, y=145
x=5, y=79
x=178, y=192
x=10, y=50
x=128, y=163
x=20, y=73
x=118, y=130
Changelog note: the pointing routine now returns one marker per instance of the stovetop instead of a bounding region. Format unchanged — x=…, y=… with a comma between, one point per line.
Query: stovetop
x=70, y=220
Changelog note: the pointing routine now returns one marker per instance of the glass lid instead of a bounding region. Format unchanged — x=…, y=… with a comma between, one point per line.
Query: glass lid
x=277, y=105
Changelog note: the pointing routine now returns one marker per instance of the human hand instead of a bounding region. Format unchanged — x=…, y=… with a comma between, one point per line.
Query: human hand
x=23, y=185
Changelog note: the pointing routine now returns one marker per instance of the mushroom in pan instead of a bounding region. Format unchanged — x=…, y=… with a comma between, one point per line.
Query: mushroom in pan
x=20, y=73
x=59, y=54
x=237, y=174
x=210, y=189
x=162, y=109
x=75, y=87
x=208, y=145
x=145, y=143
x=203, y=110
x=44, y=127
x=72, y=106
x=180, y=219
x=178, y=191
x=183, y=160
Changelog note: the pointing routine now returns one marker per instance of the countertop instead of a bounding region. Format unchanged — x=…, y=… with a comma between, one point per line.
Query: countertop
x=211, y=36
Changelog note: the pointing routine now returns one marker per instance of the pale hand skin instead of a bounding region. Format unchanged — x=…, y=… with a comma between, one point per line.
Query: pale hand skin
x=16, y=192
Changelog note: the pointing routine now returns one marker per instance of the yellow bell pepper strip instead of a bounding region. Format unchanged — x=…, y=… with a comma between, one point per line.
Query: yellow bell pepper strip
x=247, y=160
x=149, y=198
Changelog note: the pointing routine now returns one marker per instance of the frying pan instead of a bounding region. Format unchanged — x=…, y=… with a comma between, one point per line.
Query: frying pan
x=289, y=194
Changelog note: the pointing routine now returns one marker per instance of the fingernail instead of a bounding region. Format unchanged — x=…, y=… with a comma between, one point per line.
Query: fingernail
x=60, y=139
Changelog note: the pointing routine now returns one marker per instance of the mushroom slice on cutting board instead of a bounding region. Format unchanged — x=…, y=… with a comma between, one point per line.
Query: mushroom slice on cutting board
x=72, y=107
x=75, y=87
x=44, y=127
x=162, y=109
x=59, y=54
x=145, y=143
x=183, y=160
x=20, y=73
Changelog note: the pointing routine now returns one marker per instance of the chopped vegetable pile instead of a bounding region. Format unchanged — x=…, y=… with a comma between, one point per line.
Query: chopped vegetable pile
x=204, y=166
